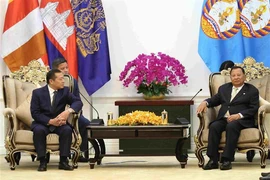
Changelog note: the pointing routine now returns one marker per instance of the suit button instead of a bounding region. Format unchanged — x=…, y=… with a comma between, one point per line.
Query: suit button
x=228, y=107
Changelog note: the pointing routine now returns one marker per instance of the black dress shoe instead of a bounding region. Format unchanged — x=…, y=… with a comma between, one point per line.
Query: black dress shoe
x=265, y=177
x=65, y=166
x=82, y=159
x=42, y=166
x=250, y=155
x=265, y=173
x=211, y=165
x=226, y=165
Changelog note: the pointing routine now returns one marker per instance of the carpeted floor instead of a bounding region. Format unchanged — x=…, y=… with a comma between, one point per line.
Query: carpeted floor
x=137, y=168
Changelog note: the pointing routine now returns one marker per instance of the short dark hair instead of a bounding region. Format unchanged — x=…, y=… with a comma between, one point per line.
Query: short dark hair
x=51, y=75
x=237, y=67
x=56, y=62
x=226, y=64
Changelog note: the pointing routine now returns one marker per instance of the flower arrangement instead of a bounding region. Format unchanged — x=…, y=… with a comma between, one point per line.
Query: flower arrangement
x=153, y=74
x=138, y=118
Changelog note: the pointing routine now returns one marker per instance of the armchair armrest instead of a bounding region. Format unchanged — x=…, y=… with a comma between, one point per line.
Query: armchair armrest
x=11, y=124
x=11, y=117
x=73, y=121
x=262, y=112
x=205, y=119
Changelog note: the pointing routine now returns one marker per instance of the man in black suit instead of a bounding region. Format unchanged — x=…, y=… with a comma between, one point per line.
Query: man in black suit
x=239, y=103
x=50, y=116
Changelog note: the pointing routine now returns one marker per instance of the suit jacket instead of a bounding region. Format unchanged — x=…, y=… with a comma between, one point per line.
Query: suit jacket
x=41, y=110
x=245, y=102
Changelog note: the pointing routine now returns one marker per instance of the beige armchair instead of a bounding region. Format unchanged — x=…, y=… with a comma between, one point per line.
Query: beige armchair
x=17, y=89
x=251, y=138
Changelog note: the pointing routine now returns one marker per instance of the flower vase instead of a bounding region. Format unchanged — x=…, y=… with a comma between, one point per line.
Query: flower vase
x=158, y=97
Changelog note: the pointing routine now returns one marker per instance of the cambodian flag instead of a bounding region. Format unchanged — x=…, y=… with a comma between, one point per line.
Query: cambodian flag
x=92, y=44
x=60, y=33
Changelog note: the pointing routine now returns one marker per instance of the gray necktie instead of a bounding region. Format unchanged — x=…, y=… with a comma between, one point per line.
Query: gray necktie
x=234, y=92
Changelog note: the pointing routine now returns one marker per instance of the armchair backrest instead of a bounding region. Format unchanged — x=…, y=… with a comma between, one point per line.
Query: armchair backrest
x=256, y=74
x=262, y=84
x=16, y=91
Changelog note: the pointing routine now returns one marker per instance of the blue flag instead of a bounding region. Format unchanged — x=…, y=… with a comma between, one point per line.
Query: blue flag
x=255, y=18
x=92, y=44
x=222, y=33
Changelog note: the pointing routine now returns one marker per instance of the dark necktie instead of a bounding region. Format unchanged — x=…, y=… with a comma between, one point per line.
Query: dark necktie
x=54, y=98
x=51, y=127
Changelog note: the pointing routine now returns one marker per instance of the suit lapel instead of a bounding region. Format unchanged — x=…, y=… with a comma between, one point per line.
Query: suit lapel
x=58, y=97
x=228, y=95
x=46, y=97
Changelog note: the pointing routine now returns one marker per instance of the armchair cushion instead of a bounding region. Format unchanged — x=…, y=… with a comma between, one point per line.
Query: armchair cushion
x=23, y=111
x=26, y=137
x=249, y=135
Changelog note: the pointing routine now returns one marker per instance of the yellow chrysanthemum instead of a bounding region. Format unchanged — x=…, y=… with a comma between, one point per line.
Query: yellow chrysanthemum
x=139, y=118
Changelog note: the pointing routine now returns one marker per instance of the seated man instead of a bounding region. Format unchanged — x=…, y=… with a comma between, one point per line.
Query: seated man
x=48, y=111
x=225, y=66
x=62, y=65
x=239, y=103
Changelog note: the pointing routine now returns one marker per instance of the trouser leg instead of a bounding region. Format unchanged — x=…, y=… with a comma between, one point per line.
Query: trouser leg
x=65, y=138
x=39, y=137
x=215, y=130
x=233, y=130
x=83, y=123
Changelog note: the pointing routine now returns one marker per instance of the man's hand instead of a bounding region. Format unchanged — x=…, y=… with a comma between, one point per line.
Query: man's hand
x=202, y=107
x=63, y=117
x=233, y=117
x=55, y=122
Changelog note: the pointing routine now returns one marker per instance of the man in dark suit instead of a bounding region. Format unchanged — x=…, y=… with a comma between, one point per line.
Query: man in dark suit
x=62, y=65
x=225, y=66
x=50, y=116
x=239, y=103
